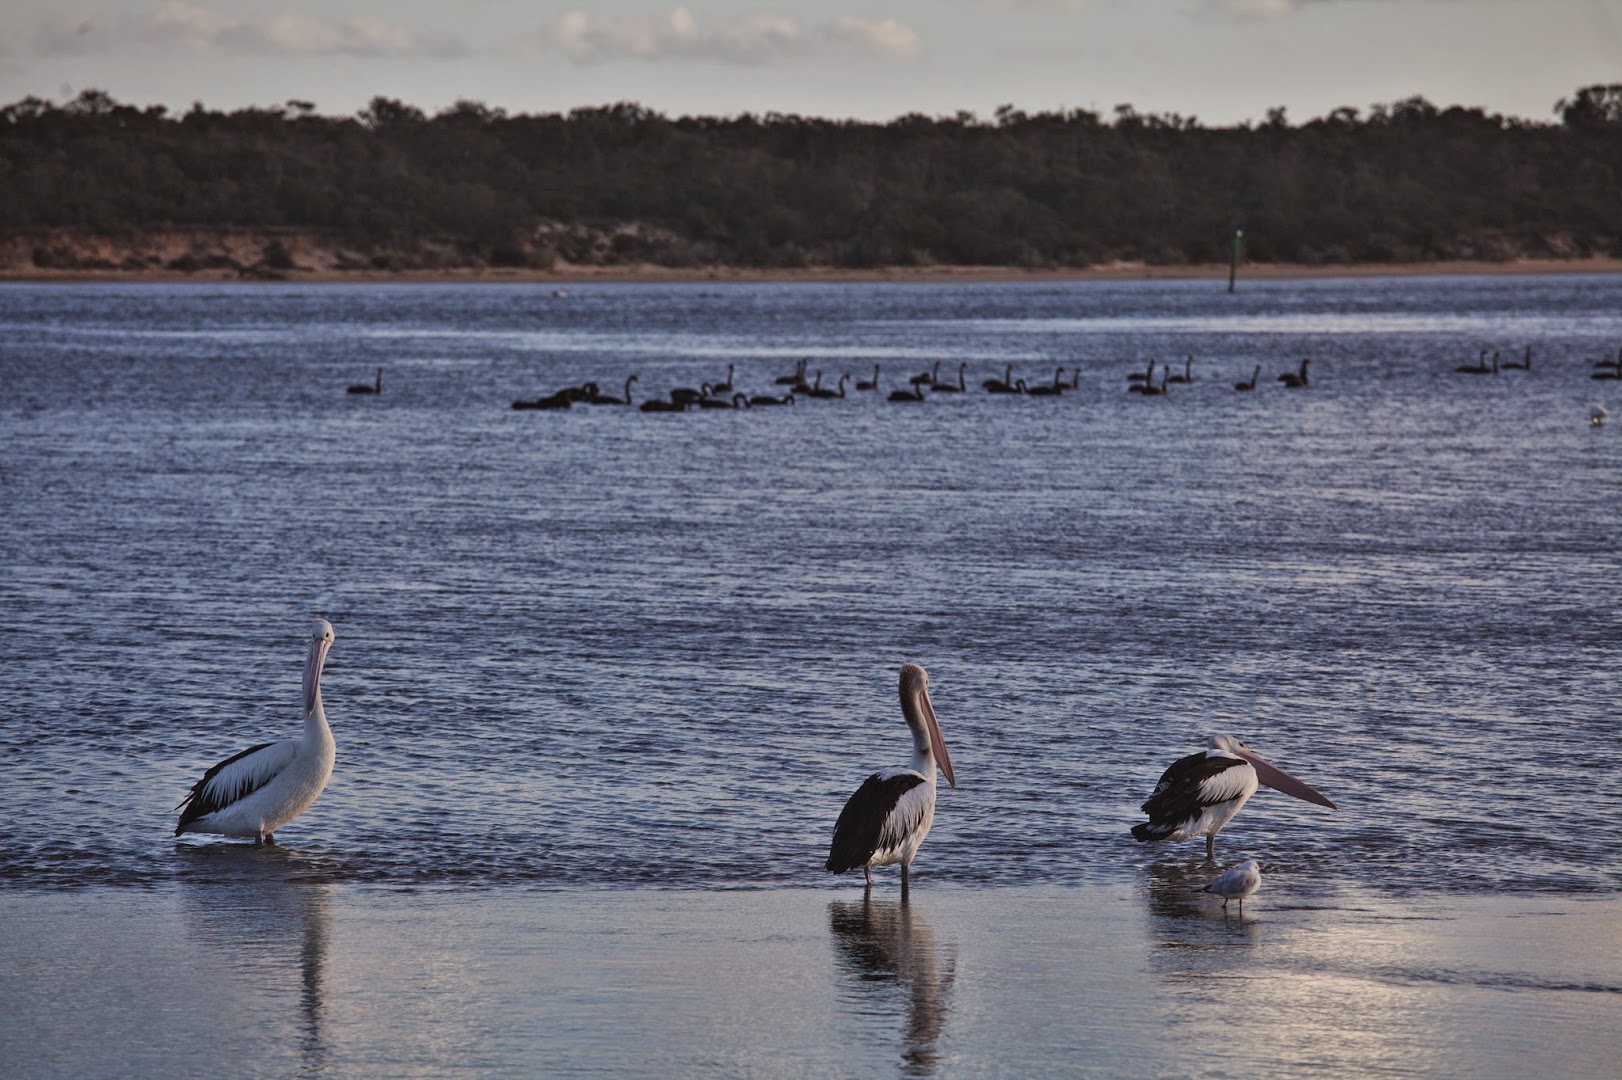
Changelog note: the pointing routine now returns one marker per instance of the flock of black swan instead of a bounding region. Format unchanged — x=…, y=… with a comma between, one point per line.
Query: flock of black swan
x=801, y=385
x=919, y=387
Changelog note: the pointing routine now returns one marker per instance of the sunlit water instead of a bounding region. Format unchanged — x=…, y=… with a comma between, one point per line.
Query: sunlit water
x=601, y=647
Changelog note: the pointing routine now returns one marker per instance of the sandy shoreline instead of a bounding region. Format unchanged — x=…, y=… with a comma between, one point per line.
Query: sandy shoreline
x=645, y=273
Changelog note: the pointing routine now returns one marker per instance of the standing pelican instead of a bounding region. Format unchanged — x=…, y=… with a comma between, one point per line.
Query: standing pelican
x=261, y=789
x=1236, y=883
x=890, y=814
x=1201, y=793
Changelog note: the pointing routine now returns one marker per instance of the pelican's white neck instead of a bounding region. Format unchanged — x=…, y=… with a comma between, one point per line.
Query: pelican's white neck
x=315, y=715
x=923, y=754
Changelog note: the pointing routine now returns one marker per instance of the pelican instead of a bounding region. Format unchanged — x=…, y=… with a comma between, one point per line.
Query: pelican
x=1236, y=883
x=261, y=789
x=1251, y=385
x=890, y=814
x=368, y=388
x=1201, y=793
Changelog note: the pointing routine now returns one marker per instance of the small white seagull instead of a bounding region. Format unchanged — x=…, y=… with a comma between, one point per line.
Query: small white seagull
x=1236, y=883
x=1597, y=415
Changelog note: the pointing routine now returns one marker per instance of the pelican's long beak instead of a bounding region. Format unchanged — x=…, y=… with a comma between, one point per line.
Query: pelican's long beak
x=312, y=671
x=937, y=745
x=1279, y=780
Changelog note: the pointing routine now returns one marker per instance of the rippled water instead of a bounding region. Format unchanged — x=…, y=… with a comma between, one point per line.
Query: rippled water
x=607, y=647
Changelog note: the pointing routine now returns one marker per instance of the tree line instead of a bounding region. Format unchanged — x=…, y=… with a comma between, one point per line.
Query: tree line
x=1408, y=181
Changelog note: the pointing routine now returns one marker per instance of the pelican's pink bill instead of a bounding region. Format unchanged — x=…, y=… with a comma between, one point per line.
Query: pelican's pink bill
x=312, y=669
x=1279, y=780
x=936, y=743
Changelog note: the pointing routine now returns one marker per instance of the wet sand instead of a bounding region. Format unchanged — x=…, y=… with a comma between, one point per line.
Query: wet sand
x=267, y=970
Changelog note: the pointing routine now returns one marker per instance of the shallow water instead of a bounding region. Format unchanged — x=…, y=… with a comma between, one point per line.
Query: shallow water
x=604, y=648
x=261, y=974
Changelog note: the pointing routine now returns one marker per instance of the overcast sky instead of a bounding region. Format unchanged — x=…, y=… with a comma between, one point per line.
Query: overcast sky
x=1223, y=61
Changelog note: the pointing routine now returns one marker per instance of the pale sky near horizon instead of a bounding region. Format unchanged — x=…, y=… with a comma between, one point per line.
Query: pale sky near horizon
x=1223, y=61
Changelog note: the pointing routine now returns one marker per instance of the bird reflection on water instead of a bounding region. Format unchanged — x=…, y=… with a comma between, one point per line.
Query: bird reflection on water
x=1182, y=911
x=267, y=909
x=889, y=951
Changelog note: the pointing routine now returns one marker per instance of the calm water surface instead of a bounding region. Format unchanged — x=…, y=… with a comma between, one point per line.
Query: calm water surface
x=607, y=648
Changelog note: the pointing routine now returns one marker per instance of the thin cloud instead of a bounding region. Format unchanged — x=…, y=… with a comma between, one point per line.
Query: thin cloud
x=1038, y=5
x=1213, y=10
x=888, y=39
x=1252, y=10
x=746, y=41
x=192, y=27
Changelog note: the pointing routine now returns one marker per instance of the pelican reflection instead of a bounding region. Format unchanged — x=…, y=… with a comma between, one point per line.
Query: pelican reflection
x=889, y=952
x=267, y=913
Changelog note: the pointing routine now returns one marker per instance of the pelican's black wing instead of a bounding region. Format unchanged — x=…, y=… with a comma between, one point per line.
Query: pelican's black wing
x=860, y=828
x=234, y=778
x=1186, y=788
